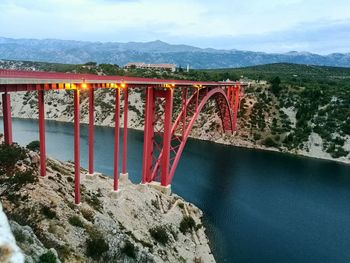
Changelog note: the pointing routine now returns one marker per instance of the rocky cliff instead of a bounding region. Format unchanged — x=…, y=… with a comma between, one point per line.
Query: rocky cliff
x=136, y=224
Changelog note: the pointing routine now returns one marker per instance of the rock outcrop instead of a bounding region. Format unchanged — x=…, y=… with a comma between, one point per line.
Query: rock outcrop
x=136, y=224
x=9, y=251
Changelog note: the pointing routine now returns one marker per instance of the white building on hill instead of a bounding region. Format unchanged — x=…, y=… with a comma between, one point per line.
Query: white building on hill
x=142, y=65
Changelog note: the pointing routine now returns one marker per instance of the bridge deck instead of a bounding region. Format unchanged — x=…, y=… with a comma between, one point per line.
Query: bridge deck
x=15, y=77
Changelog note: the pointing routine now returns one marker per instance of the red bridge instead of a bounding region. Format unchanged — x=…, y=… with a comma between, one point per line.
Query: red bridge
x=164, y=137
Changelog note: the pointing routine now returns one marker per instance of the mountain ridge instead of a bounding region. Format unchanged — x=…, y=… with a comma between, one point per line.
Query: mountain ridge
x=74, y=52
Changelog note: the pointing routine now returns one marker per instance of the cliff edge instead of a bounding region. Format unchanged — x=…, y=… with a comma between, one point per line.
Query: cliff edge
x=135, y=224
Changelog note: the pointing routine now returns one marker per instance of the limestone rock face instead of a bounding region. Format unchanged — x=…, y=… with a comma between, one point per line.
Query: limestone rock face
x=30, y=244
x=138, y=223
x=9, y=251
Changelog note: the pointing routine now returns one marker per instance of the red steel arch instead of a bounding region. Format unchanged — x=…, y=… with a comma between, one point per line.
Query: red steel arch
x=163, y=167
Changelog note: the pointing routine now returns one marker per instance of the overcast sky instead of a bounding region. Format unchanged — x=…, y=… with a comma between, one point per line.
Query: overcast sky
x=319, y=26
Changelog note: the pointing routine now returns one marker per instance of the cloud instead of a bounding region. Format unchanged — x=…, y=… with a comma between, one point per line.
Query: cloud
x=220, y=23
x=324, y=37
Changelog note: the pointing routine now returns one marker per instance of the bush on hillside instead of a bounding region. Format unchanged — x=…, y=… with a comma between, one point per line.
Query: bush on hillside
x=159, y=233
x=20, y=179
x=76, y=221
x=269, y=142
x=9, y=156
x=187, y=223
x=129, y=249
x=34, y=146
x=48, y=257
x=96, y=245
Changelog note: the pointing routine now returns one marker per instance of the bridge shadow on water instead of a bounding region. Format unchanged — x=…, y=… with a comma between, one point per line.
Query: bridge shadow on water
x=258, y=206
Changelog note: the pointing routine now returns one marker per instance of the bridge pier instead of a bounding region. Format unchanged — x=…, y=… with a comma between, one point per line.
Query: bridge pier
x=77, y=146
x=42, y=133
x=165, y=161
x=116, y=138
x=91, y=130
x=124, y=174
x=150, y=170
x=235, y=106
x=148, y=135
x=7, y=118
x=164, y=189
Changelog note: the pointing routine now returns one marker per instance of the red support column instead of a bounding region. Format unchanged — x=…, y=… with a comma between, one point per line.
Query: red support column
x=91, y=130
x=148, y=135
x=77, y=146
x=166, y=137
x=42, y=133
x=125, y=135
x=184, y=100
x=7, y=119
x=235, y=107
x=116, y=138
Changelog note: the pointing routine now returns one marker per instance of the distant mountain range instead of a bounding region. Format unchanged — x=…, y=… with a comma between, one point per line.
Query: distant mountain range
x=68, y=51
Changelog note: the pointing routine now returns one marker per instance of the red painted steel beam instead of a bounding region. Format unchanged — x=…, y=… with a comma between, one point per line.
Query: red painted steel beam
x=77, y=146
x=148, y=135
x=7, y=119
x=42, y=133
x=235, y=107
x=164, y=180
x=21, y=78
x=125, y=134
x=91, y=130
x=116, y=138
x=184, y=111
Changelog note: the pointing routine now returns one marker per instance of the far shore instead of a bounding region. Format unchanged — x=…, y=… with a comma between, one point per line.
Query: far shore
x=240, y=143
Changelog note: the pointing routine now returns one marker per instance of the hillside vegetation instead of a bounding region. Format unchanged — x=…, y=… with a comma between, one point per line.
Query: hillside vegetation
x=319, y=96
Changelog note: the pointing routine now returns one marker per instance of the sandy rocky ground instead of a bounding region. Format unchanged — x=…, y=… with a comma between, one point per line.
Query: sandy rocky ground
x=40, y=216
x=59, y=107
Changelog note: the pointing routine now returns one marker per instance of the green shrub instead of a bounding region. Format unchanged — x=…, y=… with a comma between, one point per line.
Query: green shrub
x=187, y=223
x=269, y=142
x=96, y=245
x=181, y=205
x=88, y=214
x=159, y=233
x=256, y=136
x=19, y=235
x=22, y=178
x=34, y=146
x=336, y=151
x=129, y=249
x=9, y=156
x=48, y=212
x=48, y=257
x=70, y=179
x=76, y=221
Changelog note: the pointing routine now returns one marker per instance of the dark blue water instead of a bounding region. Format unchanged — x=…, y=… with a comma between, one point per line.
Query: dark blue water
x=258, y=206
